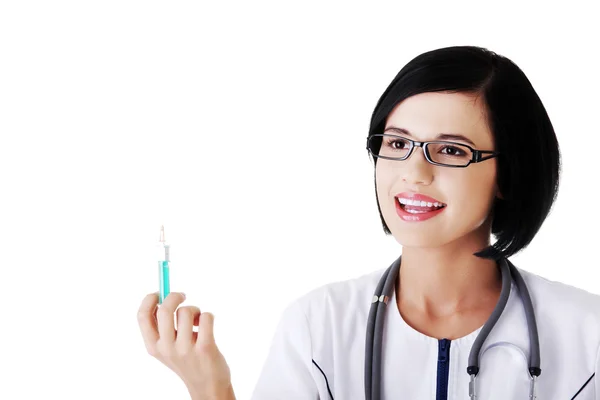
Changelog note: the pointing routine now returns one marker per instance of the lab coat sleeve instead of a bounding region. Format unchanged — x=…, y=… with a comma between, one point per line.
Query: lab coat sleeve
x=286, y=373
x=597, y=376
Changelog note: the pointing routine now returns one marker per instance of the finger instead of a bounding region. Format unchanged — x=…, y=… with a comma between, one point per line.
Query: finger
x=147, y=320
x=205, y=329
x=165, y=315
x=185, y=324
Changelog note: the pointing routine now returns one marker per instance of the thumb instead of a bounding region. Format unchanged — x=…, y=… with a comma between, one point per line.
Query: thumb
x=205, y=328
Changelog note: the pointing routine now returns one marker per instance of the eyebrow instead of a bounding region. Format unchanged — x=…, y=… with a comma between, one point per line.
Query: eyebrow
x=441, y=136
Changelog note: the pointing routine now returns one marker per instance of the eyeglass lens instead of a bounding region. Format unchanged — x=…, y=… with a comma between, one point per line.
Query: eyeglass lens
x=397, y=147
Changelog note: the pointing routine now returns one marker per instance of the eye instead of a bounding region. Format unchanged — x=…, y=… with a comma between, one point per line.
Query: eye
x=397, y=143
x=453, y=151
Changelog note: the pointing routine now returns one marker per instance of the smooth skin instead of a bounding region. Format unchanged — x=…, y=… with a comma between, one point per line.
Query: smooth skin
x=193, y=356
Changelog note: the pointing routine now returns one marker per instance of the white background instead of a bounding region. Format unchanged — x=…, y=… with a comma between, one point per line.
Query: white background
x=241, y=127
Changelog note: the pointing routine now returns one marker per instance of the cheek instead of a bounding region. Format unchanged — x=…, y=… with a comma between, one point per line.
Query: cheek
x=382, y=181
x=471, y=196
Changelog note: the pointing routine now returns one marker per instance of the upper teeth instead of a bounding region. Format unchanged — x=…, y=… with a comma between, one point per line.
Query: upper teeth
x=419, y=203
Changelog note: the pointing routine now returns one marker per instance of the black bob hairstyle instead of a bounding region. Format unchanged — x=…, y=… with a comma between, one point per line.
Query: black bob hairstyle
x=529, y=164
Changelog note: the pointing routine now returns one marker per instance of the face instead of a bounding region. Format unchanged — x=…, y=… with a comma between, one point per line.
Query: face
x=467, y=192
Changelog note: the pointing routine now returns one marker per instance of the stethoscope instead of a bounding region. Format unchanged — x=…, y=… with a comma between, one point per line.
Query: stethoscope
x=377, y=314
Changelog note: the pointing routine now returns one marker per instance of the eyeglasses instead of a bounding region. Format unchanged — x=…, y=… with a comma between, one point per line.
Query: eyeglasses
x=446, y=154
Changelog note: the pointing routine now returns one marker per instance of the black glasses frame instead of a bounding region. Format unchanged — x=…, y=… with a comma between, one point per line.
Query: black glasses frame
x=477, y=154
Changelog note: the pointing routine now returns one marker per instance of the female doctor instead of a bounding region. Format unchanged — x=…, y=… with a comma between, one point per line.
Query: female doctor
x=463, y=149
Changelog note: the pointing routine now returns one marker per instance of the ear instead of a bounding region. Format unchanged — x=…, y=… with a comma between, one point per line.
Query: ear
x=498, y=193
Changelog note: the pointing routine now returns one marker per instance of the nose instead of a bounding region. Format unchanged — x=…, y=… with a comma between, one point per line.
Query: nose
x=416, y=168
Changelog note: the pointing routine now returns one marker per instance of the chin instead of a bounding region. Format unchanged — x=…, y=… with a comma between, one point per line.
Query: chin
x=412, y=239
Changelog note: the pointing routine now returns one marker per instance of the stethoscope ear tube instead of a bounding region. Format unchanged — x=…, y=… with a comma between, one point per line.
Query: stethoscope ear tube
x=375, y=324
x=370, y=334
x=509, y=273
x=473, y=368
x=534, y=339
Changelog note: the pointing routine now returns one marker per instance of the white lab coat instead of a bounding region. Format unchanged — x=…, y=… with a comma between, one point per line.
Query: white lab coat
x=318, y=349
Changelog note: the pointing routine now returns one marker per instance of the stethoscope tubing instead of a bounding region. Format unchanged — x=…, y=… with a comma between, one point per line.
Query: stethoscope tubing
x=375, y=321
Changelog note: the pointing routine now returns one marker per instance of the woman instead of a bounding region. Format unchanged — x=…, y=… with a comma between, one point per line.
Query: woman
x=492, y=167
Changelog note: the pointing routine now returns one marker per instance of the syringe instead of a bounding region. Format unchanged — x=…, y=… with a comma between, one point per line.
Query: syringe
x=163, y=267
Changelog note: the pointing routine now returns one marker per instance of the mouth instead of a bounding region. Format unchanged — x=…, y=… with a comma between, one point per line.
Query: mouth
x=414, y=211
x=419, y=207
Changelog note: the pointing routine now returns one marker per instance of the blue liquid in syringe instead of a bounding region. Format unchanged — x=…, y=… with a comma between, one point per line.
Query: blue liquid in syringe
x=163, y=278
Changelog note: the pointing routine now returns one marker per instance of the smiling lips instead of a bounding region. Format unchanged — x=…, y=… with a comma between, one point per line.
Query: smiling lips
x=417, y=207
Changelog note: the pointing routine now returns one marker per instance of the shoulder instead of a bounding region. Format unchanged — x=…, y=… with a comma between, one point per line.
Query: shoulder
x=341, y=303
x=567, y=316
x=568, y=320
x=328, y=312
x=333, y=297
x=561, y=299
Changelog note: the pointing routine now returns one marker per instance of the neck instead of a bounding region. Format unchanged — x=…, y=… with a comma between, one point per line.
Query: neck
x=443, y=281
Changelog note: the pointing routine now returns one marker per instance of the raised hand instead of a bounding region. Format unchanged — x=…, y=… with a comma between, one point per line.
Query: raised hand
x=193, y=356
